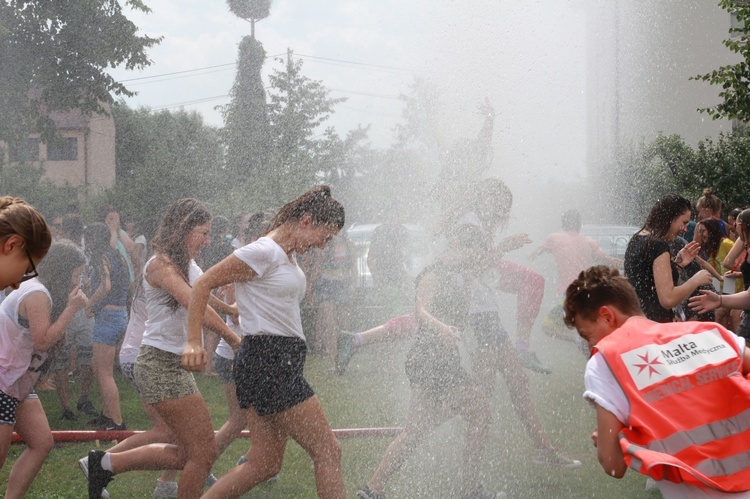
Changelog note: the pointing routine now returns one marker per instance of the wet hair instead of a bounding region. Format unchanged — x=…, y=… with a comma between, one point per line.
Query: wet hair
x=664, y=212
x=56, y=270
x=258, y=225
x=710, y=201
x=571, y=220
x=715, y=235
x=20, y=218
x=744, y=231
x=171, y=237
x=72, y=227
x=318, y=203
x=596, y=287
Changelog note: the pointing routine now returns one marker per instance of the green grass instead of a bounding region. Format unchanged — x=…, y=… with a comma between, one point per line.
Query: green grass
x=375, y=393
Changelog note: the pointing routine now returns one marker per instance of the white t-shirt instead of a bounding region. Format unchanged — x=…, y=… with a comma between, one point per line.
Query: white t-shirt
x=166, y=329
x=131, y=343
x=603, y=390
x=19, y=361
x=223, y=349
x=269, y=303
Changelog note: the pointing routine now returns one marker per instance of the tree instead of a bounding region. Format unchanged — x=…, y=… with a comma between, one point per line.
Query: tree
x=250, y=10
x=162, y=157
x=246, y=131
x=733, y=78
x=54, y=56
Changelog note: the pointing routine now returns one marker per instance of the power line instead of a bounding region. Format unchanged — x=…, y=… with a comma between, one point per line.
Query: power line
x=354, y=63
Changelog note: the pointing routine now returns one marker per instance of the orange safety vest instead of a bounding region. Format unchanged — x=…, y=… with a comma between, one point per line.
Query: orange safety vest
x=689, y=418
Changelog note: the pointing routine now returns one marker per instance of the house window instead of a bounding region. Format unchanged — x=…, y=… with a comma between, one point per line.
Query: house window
x=63, y=150
x=25, y=150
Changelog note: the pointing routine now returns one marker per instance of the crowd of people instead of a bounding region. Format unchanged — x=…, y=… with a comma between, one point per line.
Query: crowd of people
x=188, y=292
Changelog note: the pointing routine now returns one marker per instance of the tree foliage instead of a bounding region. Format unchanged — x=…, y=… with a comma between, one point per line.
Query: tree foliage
x=54, y=56
x=246, y=131
x=27, y=181
x=162, y=157
x=250, y=9
x=734, y=79
x=668, y=164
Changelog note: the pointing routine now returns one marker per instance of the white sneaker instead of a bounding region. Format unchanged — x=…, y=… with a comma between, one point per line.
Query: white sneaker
x=84, y=464
x=165, y=489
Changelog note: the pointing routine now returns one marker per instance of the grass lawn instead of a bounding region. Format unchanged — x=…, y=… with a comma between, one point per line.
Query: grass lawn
x=374, y=393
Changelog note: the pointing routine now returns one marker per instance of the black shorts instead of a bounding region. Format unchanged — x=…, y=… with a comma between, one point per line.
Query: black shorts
x=487, y=329
x=268, y=373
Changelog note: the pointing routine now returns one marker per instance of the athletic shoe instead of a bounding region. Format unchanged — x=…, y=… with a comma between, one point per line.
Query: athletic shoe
x=68, y=415
x=84, y=465
x=481, y=493
x=529, y=360
x=112, y=426
x=165, y=489
x=551, y=458
x=85, y=406
x=98, y=476
x=242, y=460
x=345, y=343
x=99, y=420
x=367, y=493
x=211, y=480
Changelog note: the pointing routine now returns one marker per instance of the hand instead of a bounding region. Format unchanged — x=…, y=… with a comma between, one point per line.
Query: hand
x=194, y=357
x=705, y=301
x=733, y=274
x=77, y=299
x=595, y=437
x=687, y=254
x=235, y=343
x=450, y=336
x=513, y=242
x=702, y=278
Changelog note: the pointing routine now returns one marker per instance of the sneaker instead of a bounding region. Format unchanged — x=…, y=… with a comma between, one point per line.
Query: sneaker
x=366, y=493
x=99, y=420
x=84, y=464
x=211, y=480
x=68, y=415
x=112, y=426
x=98, y=476
x=529, y=360
x=345, y=343
x=551, y=458
x=481, y=493
x=165, y=489
x=85, y=406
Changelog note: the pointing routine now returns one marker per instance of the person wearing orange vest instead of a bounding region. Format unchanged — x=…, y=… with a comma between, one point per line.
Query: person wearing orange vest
x=672, y=400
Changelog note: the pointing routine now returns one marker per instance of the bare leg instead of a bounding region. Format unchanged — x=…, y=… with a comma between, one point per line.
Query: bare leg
x=210, y=342
x=32, y=426
x=236, y=421
x=102, y=364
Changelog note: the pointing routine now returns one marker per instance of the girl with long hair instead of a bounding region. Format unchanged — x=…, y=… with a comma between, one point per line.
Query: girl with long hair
x=161, y=381
x=650, y=266
x=110, y=281
x=33, y=320
x=269, y=286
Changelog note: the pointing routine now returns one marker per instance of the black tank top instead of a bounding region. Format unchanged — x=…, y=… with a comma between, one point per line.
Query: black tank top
x=745, y=269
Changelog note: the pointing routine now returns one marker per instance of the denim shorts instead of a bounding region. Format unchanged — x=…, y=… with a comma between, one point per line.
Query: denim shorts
x=109, y=326
x=159, y=376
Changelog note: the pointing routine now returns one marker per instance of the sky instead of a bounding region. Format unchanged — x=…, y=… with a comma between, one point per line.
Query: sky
x=527, y=57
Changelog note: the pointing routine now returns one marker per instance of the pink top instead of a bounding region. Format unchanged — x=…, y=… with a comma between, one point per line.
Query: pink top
x=573, y=253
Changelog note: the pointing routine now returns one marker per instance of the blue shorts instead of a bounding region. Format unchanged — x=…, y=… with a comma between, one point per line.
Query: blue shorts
x=109, y=326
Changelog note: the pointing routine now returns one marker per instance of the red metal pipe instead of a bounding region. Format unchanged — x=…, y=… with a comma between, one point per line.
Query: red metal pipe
x=88, y=436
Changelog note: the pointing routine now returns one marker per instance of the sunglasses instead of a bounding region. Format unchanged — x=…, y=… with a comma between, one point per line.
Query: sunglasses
x=33, y=273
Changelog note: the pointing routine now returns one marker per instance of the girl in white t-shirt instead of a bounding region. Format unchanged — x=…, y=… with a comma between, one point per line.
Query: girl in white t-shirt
x=33, y=319
x=161, y=381
x=268, y=367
